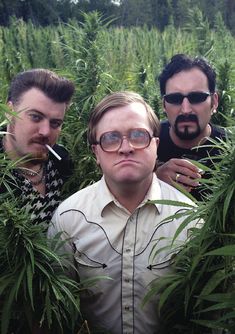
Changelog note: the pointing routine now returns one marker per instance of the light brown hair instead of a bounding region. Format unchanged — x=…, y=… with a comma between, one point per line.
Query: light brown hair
x=115, y=100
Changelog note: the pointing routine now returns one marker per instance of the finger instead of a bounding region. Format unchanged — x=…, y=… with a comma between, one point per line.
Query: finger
x=177, y=176
x=187, y=181
x=185, y=164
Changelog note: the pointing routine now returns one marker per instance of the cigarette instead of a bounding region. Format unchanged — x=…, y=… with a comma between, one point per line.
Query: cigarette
x=53, y=152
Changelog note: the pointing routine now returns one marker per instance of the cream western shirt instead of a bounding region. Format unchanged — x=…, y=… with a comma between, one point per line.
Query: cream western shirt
x=107, y=240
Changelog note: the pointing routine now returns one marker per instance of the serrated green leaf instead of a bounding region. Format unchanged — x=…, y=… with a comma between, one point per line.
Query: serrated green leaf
x=213, y=282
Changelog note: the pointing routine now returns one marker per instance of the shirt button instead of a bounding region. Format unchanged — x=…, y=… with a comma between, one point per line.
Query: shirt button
x=128, y=250
x=127, y=308
x=127, y=280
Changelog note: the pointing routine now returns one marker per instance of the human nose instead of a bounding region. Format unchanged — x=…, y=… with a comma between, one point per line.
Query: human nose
x=125, y=146
x=186, y=107
x=44, y=128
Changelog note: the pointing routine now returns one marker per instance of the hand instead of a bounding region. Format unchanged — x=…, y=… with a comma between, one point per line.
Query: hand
x=181, y=171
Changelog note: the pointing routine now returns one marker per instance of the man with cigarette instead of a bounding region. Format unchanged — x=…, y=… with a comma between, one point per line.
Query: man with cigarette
x=38, y=99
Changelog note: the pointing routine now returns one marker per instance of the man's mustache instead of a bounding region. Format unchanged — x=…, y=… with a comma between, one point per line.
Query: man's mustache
x=186, y=118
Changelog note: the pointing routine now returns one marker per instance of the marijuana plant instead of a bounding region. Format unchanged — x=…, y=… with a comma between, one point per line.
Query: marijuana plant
x=35, y=291
x=92, y=84
x=36, y=296
x=198, y=295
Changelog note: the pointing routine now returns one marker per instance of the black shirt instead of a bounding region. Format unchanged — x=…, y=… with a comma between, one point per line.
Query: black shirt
x=168, y=150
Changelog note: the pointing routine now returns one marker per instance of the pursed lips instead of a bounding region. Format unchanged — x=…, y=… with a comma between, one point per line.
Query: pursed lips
x=126, y=161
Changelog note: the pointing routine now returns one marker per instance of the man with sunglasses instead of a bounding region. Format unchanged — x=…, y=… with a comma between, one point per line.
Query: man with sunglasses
x=187, y=87
x=111, y=227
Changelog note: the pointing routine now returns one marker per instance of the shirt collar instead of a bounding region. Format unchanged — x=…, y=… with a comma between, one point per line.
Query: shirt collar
x=154, y=193
x=106, y=198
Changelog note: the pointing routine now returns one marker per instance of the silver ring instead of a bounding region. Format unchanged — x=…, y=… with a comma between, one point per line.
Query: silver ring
x=177, y=177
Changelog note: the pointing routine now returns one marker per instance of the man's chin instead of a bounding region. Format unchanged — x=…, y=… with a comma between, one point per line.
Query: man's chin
x=186, y=134
x=38, y=156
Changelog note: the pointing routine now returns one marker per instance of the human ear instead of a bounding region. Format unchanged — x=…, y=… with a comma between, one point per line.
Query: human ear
x=214, y=102
x=163, y=105
x=9, y=111
x=157, y=141
x=95, y=151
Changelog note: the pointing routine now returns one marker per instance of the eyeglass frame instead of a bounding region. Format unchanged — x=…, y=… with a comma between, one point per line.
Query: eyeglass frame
x=206, y=94
x=98, y=142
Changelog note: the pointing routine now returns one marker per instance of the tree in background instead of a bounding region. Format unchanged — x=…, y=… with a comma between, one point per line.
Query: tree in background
x=162, y=10
x=135, y=13
x=128, y=13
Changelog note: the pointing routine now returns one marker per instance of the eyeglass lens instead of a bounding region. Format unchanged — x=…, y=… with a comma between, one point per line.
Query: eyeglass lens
x=193, y=97
x=138, y=138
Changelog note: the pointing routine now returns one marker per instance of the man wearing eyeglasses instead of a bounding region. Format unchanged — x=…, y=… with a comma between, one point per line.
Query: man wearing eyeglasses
x=187, y=87
x=111, y=227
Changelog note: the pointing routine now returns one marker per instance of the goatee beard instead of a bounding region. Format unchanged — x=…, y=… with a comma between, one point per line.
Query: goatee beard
x=186, y=135
x=35, y=158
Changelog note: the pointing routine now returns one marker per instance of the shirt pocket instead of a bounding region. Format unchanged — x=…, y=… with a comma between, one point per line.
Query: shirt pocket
x=93, y=273
x=88, y=261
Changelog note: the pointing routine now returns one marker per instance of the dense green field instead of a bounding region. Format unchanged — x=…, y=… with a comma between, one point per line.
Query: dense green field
x=101, y=59
x=122, y=58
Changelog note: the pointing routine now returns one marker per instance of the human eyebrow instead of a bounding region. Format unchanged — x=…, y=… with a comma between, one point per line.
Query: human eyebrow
x=35, y=115
x=34, y=111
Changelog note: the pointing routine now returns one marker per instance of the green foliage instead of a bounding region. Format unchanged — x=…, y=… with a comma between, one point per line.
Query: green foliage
x=198, y=295
x=88, y=67
x=101, y=59
x=227, y=94
x=35, y=291
x=198, y=25
x=128, y=13
x=118, y=53
x=92, y=85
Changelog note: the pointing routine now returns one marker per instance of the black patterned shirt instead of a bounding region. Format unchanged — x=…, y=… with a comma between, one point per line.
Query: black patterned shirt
x=41, y=207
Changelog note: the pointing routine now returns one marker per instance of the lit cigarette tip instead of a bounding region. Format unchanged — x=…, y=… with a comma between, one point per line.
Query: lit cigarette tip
x=53, y=152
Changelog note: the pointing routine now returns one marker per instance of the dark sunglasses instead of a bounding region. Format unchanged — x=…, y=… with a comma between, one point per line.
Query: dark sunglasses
x=193, y=97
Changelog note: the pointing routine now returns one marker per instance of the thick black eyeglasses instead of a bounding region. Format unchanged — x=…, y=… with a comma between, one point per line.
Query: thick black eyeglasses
x=111, y=141
x=193, y=97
